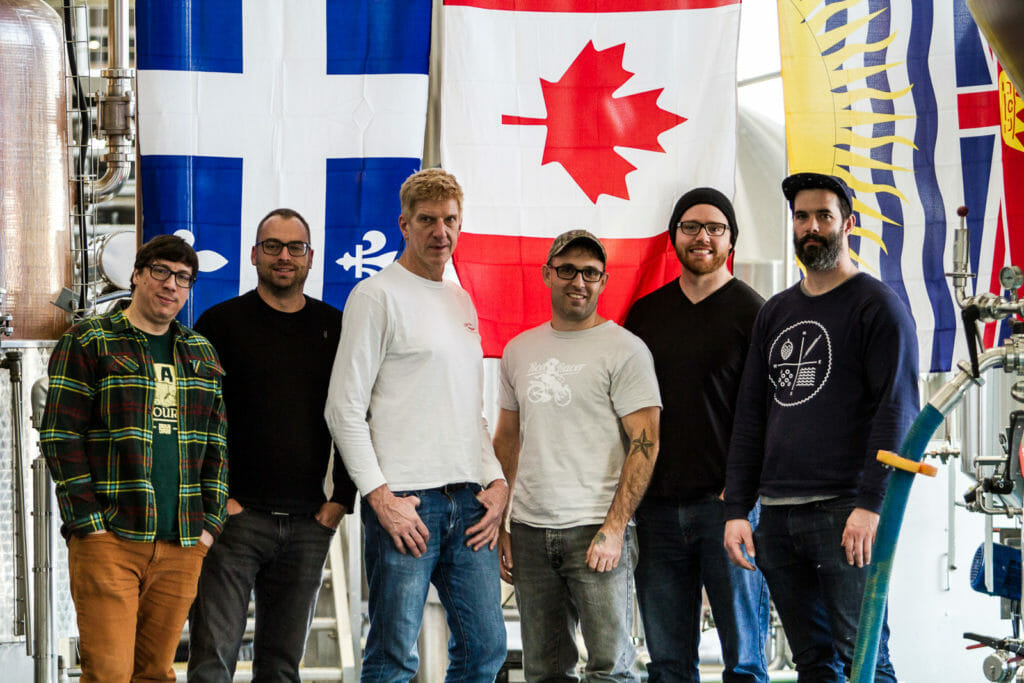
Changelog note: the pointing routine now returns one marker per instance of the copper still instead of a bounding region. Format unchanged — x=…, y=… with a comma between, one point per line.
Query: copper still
x=35, y=255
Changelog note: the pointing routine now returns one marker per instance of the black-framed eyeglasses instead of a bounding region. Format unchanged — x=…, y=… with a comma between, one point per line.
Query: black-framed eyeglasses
x=182, y=278
x=568, y=272
x=274, y=247
x=693, y=228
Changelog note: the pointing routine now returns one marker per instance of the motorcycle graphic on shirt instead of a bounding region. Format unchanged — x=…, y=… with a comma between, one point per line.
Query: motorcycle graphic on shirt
x=548, y=383
x=799, y=362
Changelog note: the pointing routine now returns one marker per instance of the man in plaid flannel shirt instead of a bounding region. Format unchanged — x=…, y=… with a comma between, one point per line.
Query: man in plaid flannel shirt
x=134, y=435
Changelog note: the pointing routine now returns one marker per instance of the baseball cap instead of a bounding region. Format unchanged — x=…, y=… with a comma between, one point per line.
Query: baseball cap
x=815, y=181
x=567, y=238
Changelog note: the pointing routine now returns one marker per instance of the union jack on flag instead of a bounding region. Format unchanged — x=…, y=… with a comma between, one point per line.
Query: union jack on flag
x=905, y=103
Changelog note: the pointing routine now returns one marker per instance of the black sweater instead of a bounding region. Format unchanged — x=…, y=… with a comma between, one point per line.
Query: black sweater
x=277, y=366
x=698, y=350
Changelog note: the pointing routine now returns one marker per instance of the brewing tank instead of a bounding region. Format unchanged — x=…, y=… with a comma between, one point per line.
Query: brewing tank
x=35, y=249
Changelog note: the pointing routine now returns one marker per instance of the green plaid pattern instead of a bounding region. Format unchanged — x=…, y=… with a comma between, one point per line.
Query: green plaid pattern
x=97, y=431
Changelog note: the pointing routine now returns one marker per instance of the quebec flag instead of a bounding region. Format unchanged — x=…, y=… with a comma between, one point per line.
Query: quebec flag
x=906, y=104
x=247, y=106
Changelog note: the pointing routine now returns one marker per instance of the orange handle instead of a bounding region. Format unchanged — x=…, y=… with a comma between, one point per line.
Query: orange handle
x=892, y=460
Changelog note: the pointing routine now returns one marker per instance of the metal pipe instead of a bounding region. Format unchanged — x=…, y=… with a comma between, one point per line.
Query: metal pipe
x=117, y=33
x=45, y=651
x=961, y=267
x=116, y=108
x=946, y=398
x=22, y=612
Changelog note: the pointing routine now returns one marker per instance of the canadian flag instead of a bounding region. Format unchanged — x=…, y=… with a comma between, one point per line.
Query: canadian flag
x=595, y=114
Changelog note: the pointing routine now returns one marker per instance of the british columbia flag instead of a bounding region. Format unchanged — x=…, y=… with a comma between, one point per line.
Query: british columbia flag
x=905, y=103
x=314, y=105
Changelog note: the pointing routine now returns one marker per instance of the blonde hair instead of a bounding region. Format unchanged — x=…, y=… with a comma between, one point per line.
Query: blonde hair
x=430, y=185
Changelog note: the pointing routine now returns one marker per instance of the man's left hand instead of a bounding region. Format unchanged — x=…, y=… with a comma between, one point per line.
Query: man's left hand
x=330, y=514
x=859, y=535
x=605, y=550
x=485, y=532
x=206, y=538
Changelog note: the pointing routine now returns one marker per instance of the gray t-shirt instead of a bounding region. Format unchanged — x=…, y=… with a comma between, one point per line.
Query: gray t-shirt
x=570, y=390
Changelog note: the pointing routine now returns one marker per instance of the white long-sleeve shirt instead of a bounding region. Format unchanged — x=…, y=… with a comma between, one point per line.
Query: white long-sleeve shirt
x=405, y=404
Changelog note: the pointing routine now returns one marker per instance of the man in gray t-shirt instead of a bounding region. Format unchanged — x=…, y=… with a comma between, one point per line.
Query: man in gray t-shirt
x=577, y=438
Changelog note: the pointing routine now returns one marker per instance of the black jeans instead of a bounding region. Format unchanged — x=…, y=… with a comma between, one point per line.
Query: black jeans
x=282, y=558
x=817, y=593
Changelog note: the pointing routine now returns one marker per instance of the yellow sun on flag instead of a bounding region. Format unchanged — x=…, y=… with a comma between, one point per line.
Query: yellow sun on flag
x=826, y=97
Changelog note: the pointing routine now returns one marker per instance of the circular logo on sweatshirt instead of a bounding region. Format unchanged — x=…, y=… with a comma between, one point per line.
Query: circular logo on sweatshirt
x=799, y=362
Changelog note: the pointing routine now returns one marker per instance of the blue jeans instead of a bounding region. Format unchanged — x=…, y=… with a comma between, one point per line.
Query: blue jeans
x=681, y=550
x=467, y=583
x=280, y=557
x=817, y=593
x=555, y=590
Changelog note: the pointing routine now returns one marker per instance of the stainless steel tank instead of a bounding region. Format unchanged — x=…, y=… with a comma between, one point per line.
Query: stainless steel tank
x=35, y=250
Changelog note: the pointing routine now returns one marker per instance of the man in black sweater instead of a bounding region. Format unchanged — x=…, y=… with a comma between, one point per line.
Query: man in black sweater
x=698, y=330
x=831, y=378
x=277, y=346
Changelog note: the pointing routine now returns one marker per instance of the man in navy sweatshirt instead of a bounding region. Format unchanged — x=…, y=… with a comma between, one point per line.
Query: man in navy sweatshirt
x=830, y=379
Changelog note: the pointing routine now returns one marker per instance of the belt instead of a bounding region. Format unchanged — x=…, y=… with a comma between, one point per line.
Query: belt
x=278, y=513
x=449, y=489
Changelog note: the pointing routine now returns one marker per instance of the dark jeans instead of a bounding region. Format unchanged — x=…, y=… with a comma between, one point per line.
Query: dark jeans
x=556, y=590
x=467, y=584
x=282, y=558
x=681, y=550
x=817, y=593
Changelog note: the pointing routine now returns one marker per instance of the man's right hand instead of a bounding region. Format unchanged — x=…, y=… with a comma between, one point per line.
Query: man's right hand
x=397, y=514
x=505, y=555
x=233, y=507
x=739, y=534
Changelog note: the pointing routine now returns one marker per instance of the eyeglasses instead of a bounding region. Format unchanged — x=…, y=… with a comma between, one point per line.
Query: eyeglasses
x=160, y=273
x=274, y=247
x=693, y=228
x=568, y=272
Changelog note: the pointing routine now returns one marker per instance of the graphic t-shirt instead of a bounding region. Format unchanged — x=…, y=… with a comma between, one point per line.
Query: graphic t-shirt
x=165, y=436
x=571, y=389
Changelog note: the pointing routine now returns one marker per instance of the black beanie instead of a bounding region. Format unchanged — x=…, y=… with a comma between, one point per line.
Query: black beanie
x=704, y=195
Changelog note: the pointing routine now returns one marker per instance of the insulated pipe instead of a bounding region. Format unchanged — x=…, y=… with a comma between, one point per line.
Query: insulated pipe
x=872, y=610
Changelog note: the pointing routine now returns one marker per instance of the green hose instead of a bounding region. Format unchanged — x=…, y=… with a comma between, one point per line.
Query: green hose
x=872, y=609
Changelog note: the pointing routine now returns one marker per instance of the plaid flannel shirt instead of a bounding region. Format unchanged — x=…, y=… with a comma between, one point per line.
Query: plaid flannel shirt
x=97, y=431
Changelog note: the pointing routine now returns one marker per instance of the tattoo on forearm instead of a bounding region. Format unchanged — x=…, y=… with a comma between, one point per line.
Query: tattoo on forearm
x=643, y=445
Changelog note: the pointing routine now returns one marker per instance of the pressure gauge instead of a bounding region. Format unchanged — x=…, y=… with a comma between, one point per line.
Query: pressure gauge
x=1011, y=278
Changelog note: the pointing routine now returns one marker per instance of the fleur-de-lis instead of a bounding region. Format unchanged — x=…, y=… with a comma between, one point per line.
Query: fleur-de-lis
x=209, y=260
x=363, y=261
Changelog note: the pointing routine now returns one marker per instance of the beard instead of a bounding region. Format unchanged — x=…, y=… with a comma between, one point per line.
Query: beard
x=265, y=275
x=701, y=266
x=818, y=252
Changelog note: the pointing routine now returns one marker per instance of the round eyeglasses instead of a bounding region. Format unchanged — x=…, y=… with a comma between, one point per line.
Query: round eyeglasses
x=182, y=278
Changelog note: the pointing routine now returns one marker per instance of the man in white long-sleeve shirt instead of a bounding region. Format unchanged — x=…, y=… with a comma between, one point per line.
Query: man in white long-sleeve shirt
x=405, y=406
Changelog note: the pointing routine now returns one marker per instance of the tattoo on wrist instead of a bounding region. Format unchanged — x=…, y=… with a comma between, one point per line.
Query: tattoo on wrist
x=599, y=538
x=643, y=445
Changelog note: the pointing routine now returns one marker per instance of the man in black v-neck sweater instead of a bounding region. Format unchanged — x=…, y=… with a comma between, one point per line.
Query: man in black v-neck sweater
x=277, y=347
x=698, y=330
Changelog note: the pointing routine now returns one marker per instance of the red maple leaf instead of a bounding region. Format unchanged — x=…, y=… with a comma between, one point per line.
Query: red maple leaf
x=585, y=123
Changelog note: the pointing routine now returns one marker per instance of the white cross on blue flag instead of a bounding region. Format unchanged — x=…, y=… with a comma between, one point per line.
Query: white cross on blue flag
x=314, y=105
